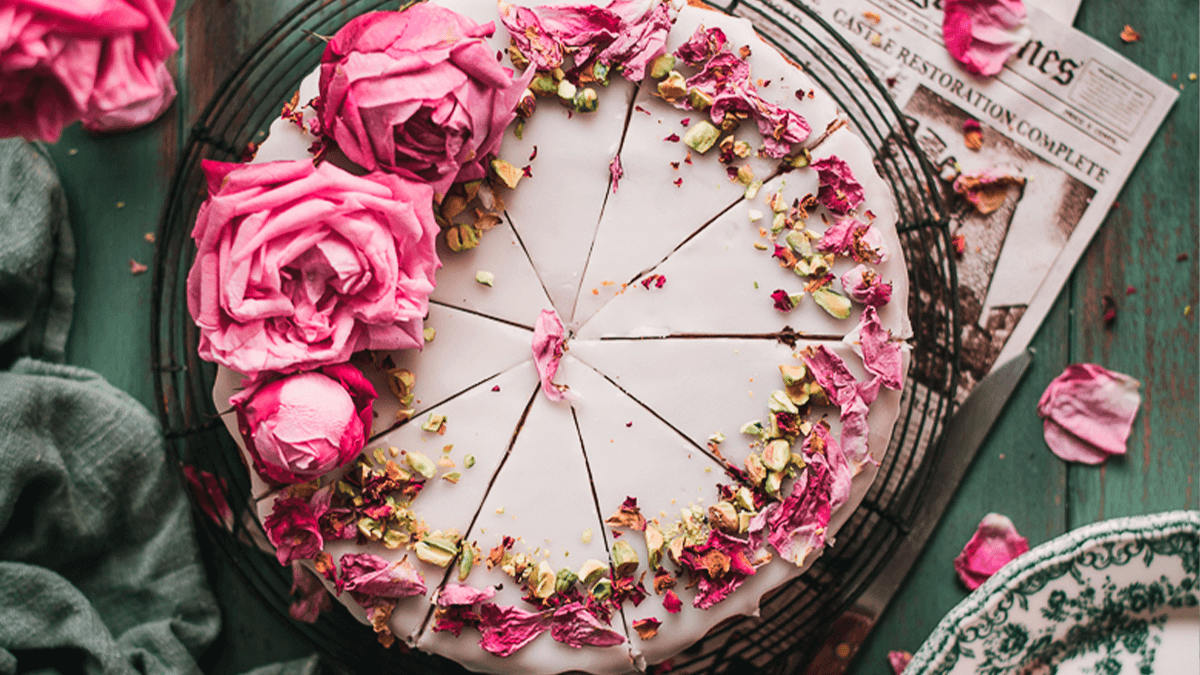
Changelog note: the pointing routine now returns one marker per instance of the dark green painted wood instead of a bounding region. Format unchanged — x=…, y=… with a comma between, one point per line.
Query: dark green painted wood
x=1015, y=474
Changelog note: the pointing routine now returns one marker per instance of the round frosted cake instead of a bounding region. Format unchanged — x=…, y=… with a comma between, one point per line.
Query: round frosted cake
x=660, y=364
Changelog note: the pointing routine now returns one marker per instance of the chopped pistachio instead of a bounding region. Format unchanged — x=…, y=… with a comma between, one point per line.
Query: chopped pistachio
x=745, y=174
x=773, y=483
x=799, y=160
x=466, y=562
x=453, y=476
x=755, y=470
x=421, y=464
x=778, y=223
x=741, y=149
x=625, y=559
x=587, y=536
x=486, y=278
x=434, y=423
x=394, y=539
x=800, y=244
x=564, y=580
x=755, y=215
x=469, y=461
x=672, y=88
x=600, y=73
x=797, y=461
x=527, y=105
x=792, y=374
x=592, y=571
x=662, y=66
x=762, y=246
x=744, y=519
x=779, y=402
x=585, y=100
x=753, y=188
x=833, y=302
x=542, y=582
x=437, y=549
x=717, y=438
x=429, y=334
x=380, y=458
x=723, y=516
x=701, y=137
x=370, y=528
x=517, y=57
x=654, y=544
x=507, y=173
x=602, y=590
x=777, y=454
x=754, y=428
x=745, y=499
x=461, y=238
x=566, y=91
x=775, y=202
x=699, y=100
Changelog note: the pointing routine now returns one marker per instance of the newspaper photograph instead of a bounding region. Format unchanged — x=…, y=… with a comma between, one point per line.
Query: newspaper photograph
x=1030, y=161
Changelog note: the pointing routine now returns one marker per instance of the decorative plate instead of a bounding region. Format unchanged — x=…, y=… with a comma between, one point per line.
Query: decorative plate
x=1118, y=597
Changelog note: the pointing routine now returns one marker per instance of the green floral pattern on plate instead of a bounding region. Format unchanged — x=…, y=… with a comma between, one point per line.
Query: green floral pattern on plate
x=1097, y=600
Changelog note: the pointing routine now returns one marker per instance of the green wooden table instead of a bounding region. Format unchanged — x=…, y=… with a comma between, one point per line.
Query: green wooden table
x=117, y=186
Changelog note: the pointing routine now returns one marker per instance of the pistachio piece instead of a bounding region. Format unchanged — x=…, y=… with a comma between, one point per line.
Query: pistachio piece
x=742, y=149
x=699, y=100
x=586, y=100
x=799, y=242
x=755, y=215
x=745, y=174
x=724, y=517
x=654, y=544
x=701, y=137
x=672, y=88
x=461, y=238
x=421, y=464
x=662, y=66
x=780, y=402
x=745, y=499
x=517, y=57
x=564, y=580
x=453, y=477
x=744, y=519
x=773, y=483
x=429, y=334
x=603, y=589
x=543, y=581
x=799, y=160
x=717, y=438
x=754, y=428
x=753, y=188
x=527, y=105
x=591, y=571
x=566, y=91
x=466, y=562
x=469, y=461
x=600, y=73
x=394, y=539
x=507, y=173
x=833, y=302
x=486, y=278
x=755, y=470
x=434, y=423
x=777, y=454
x=370, y=528
x=625, y=559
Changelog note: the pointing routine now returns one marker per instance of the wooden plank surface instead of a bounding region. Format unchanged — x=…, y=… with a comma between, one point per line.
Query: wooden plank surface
x=1152, y=339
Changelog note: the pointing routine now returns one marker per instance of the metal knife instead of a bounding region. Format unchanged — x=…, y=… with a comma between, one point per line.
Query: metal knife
x=964, y=435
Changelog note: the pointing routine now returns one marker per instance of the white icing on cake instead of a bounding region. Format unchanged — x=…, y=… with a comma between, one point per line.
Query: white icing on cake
x=645, y=408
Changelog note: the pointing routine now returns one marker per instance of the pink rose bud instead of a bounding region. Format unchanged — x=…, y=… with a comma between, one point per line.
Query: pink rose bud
x=1089, y=412
x=995, y=543
x=301, y=426
x=101, y=61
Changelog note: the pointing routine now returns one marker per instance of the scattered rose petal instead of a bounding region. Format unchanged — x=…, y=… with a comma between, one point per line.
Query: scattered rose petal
x=1130, y=290
x=995, y=543
x=455, y=593
x=312, y=597
x=1088, y=413
x=507, y=629
x=292, y=528
x=702, y=46
x=983, y=34
x=629, y=515
x=861, y=241
x=719, y=566
x=960, y=245
x=986, y=189
x=1110, y=310
x=972, y=134
x=209, y=492
x=616, y=171
x=840, y=192
x=864, y=285
x=797, y=524
x=899, y=661
x=136, y=268
x=647, y=628
x=782, y=300
x=368, y=576
x=671, y=602
x=1128, y=34
x=547, y=352
x=573, y=625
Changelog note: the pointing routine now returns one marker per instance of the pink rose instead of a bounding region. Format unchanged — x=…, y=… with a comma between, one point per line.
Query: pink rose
x=982, y=34
x=101, y=61
x=299, y=267
x=301, y=426
x=419, y=93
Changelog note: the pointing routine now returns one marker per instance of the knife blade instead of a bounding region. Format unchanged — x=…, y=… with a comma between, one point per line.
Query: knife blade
x=964, y=435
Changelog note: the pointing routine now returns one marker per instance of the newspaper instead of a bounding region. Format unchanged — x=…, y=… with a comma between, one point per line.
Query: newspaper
x=1062, y=10
x=1068, y=115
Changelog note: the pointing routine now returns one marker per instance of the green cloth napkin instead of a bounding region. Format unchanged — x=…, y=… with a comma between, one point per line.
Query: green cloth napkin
x=37, y=256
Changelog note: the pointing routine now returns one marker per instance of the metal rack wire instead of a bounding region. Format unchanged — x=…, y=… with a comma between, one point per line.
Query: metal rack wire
x=793, y=617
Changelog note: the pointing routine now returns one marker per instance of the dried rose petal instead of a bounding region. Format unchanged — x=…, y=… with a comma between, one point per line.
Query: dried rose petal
x=547, y=352
x=573, y=625
x=819, y=447
x=616, y=172
x=899, y=661
x=995, y=543
x=840, y=192
x=982, y=34
x=702, y=46
x=1089, y=412
x=797, y=525
x=292, y=527
x=865, y=285
x=312, y=596
x=882, y=356
x=987, y=189
x=209, y=492
x=671, y=602
x=368, y=576
x=629, y=515
x=455, y=593
x=718, y=566
x=507, y=629
x=844, y=391
x=647, y=628
x=1128, y=34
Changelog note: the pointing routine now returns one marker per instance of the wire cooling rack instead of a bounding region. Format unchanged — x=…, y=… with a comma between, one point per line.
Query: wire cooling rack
x=792, y=618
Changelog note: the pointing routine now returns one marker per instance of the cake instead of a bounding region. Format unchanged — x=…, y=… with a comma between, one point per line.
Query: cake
x=650, y=394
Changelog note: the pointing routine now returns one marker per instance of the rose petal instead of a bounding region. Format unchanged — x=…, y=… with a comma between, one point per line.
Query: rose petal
x=899, y=661
x=840, y=191
x=987, y=189
x=983, y=34
x=455, y=593
x=864, y=285
x=507, y=629
x=548, y=335
x=312, y=596
x=368, y=576
x=1089, y=413
x=573, y=625
x=994, y=544
x=292, y=528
